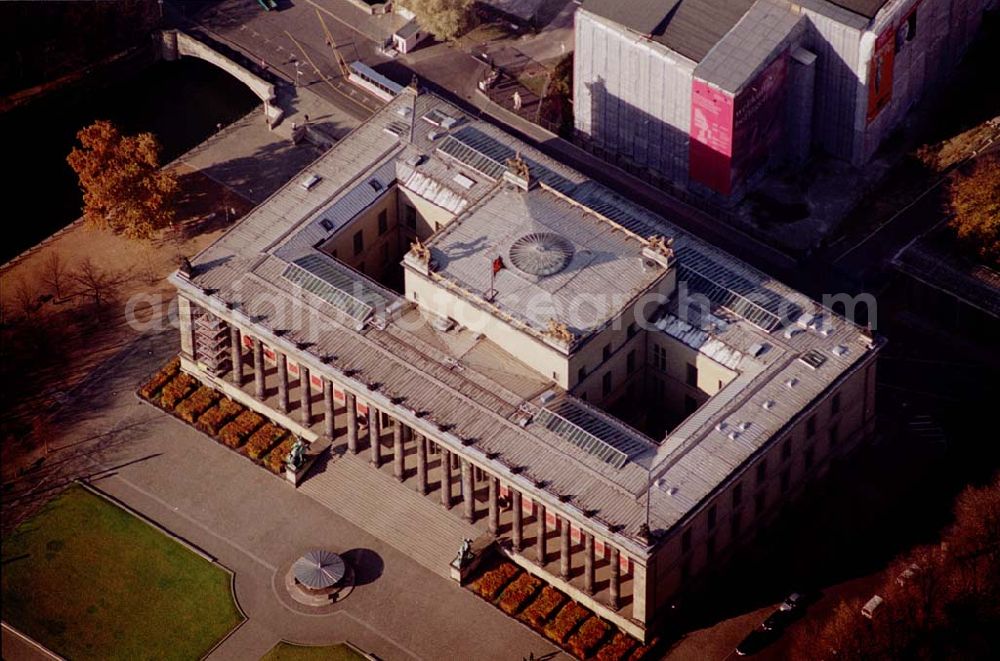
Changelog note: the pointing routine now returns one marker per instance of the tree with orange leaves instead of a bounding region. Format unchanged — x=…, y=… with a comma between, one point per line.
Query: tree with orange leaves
x=124, y=189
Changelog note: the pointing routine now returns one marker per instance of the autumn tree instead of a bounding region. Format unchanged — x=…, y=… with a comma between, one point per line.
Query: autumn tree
x=96, y=283
x=124, y=188
x=445, y=19
x=974, y=200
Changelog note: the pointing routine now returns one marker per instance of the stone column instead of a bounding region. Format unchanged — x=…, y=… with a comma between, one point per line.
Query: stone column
x=565, y=559
x=374, y=436
x=517, y=525
x=540, y=543
x=352, y=423
x=588, y=563
x=616, y=578
x=398, y=457
x=236, y=354
x=305, y=386
x=468, y=492
x=185, y=315
x=328, y=419
x=421, y=464
x=282, y=382
x=258, y=369
x=494, y=505
x=445, y=479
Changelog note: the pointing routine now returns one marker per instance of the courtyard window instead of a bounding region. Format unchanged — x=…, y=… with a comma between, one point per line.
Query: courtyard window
x=630, y=362
x=359, y=242
x=606, y=384
x=711, y=517
x=606, y=352
x=383, y=222
x=737, y=494
x=811, y=427
x=692, y=375
x=632, y=330
x=761, y=472
x=659, y=358
x=581, y=374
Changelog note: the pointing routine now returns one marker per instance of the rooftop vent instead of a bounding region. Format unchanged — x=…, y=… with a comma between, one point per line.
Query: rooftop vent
x=792, y=382
x=767, y=404
x=376, y=185
x=464, y=181
x=813, y=358
x=326, y=224
x=839, y=350
x=309, y=181
x=541, y=253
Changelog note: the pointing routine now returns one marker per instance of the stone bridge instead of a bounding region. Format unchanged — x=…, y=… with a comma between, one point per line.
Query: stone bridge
x=175, y=44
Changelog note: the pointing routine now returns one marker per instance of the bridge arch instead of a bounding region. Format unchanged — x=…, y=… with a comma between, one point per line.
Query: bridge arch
x=175, y=44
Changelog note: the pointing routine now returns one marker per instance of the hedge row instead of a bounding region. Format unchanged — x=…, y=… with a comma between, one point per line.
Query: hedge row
x=275, y=459
x=617, y=648
x=588, y=636
x=215, y=418
x=238, y=431
x=263, y=440
x=564, y=623
x=174, y=392
x=493, y=581
x=160, y=379
x=191, y=408
x=543, y=606
x=518, y=593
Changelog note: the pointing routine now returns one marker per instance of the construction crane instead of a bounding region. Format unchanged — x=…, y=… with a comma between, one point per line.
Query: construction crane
x=341, y=62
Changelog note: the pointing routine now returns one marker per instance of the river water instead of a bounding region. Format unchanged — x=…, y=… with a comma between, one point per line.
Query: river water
x=180, y=102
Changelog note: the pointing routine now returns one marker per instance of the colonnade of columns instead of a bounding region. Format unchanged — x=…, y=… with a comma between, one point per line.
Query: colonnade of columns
x=448, y=460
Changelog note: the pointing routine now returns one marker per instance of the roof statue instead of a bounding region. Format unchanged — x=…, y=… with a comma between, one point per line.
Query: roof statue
x=422, y=252
x=559, y=332
x=184, y=266
x=518, y=169
x=662, y=245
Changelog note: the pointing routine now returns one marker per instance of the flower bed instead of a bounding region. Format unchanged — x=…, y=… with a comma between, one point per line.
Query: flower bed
x=191, y=408
x=238, y=431
x=493, y=581
x=174, y=392
x=588, y=636
x=215, y=418
x=547, y=602
x=616, y=649
x=564, y=623
x=640, y=653
x=275, y=459
x=160, y=379
x=518, y=593
x=263, y=440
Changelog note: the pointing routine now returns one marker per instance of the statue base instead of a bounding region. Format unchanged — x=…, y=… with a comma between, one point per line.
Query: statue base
x=480, y=548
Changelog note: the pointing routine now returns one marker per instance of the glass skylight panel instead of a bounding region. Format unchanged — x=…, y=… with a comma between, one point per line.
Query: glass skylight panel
x=316, y=276
x=590, y=432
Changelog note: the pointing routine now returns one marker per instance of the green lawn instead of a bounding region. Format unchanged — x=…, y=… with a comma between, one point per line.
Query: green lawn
x=288, y=652
x=90, y=581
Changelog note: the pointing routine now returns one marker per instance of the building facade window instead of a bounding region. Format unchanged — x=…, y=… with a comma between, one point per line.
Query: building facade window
x=606, y=352
x=712, y=515
x=761, y=472
x=835, y=403
x=659, y=358
x=630, y=361
x=690, y=404
x=692, y=375
x=383, y=222
x=633, y=328
x=606, y=384
x=786, y=450
x=811, y=426
x=410, y=213
x=737, y=494
x=581, y=374
x=359, y=242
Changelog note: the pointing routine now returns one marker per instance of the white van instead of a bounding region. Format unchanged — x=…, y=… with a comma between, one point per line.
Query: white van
x=868, y=610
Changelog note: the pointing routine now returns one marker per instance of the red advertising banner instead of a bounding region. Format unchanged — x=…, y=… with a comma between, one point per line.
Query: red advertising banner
x=758, y=119
x=880, y=73
x=710, y=155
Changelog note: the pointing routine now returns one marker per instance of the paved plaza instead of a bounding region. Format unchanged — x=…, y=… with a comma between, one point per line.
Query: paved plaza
x=256, y=524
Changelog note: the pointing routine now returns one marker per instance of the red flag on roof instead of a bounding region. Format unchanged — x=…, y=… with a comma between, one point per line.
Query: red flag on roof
x=497, y=265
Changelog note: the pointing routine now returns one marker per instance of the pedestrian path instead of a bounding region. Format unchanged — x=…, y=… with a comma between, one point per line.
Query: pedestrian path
x=374, y=501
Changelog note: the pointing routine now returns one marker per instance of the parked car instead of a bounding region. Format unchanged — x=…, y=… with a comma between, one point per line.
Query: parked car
x=871, y=607
x=787, y=611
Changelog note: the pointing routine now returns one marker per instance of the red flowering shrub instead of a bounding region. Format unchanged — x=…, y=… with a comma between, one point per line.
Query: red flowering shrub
x=275, y=460
x=238, y=431
x=160, y=379
x=263, y=440
x=518, y=593
x=544, y=605
x=617, y=648
x=588, y=636
x=174, y=392
x=213, y=420
x=564, y=623
x=493, y=581
x=202, y=400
